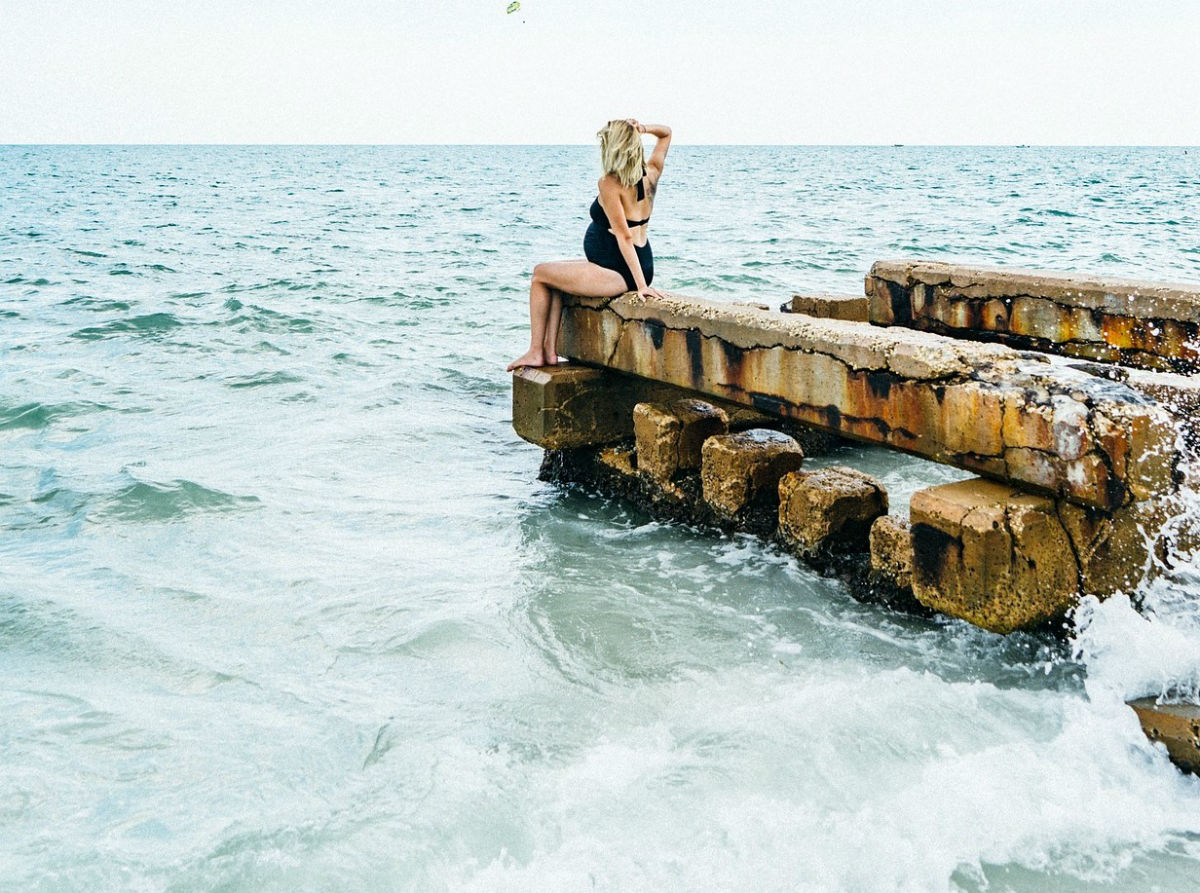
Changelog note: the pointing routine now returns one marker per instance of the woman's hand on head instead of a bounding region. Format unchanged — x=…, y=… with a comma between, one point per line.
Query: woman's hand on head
x=633, y=122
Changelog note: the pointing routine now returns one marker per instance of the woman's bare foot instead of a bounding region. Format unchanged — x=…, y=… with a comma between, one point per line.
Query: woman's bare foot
x=531, y=357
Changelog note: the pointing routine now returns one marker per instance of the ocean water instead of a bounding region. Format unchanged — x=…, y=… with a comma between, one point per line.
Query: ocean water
x=283, y=605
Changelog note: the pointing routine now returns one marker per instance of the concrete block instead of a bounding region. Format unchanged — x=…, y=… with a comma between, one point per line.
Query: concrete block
x=742, y=471
x=566, y=406
x=1177, y=726
x=829, y=508
x=992, y=555
x=669, y=435
x=892, y=551
x=822, y=306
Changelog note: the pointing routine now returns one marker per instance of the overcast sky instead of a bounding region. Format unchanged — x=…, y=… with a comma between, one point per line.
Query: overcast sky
x=464, y=71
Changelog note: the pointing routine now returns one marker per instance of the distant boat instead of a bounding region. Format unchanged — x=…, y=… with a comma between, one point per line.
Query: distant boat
x=897, y=145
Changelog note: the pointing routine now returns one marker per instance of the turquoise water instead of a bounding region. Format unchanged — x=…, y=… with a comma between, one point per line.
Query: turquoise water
x=283, y=605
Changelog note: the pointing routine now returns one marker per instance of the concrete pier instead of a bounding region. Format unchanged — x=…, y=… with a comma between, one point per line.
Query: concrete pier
x=1151, y=325
x=983, y=407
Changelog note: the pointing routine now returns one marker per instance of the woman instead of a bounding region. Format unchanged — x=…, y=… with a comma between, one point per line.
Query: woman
x=618, y=252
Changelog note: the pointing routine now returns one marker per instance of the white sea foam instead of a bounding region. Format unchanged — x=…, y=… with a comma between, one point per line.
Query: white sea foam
x=1131, y=654
x=1148, y=644
x=901, y=781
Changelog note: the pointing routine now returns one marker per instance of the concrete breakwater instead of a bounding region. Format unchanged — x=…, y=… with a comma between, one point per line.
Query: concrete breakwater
x=704, y=412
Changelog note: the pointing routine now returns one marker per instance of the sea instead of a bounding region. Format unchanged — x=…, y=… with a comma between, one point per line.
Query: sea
x=284, y=605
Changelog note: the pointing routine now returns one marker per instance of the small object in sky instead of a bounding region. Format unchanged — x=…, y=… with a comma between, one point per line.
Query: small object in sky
x=513, y=7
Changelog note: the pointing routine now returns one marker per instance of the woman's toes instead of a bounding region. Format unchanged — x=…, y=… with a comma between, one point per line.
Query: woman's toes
x=529, y=358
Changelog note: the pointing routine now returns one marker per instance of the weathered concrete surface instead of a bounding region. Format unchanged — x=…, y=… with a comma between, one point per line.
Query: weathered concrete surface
x=1177, y=394
x=669, y=435
x=983, y=407
x=1153, y=325
x=1115, y=550
x=1006, y=559
x=570, y=406
x=991, y=555
x=567, y=406
x=741, y=472
x=892, y=551
x=849, y=307
x=832, y=505
x=1176, y=725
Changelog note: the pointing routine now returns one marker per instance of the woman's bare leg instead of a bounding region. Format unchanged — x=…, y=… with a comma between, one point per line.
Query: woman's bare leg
x=579, y=277
x=550, y=340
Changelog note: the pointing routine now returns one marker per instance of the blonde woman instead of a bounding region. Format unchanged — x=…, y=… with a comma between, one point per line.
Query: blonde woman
x=616, y=245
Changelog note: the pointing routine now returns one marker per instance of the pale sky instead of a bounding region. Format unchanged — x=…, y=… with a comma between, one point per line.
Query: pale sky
x=463, y=71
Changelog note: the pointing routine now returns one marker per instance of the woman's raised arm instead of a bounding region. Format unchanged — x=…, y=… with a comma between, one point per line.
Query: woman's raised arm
x=662, y=135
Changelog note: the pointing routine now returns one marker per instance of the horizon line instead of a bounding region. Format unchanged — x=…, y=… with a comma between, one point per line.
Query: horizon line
x=892, y=145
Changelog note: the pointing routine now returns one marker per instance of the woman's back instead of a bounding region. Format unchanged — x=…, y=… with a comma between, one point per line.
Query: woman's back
x=642, y=204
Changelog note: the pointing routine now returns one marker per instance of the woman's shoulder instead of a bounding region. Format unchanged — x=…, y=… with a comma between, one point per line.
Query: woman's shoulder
x=608, y=182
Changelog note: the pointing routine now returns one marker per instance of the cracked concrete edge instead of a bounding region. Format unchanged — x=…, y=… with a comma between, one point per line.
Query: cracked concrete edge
x=1178, y=393
x=752, y=328
x=1143, y=337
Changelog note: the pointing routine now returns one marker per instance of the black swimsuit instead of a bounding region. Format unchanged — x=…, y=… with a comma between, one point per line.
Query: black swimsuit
x=600, y=245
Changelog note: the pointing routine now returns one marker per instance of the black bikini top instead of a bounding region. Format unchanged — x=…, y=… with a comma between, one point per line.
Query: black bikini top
x=597, y=211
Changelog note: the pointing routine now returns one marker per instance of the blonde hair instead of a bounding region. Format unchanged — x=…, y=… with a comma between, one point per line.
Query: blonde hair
x=621, y=151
